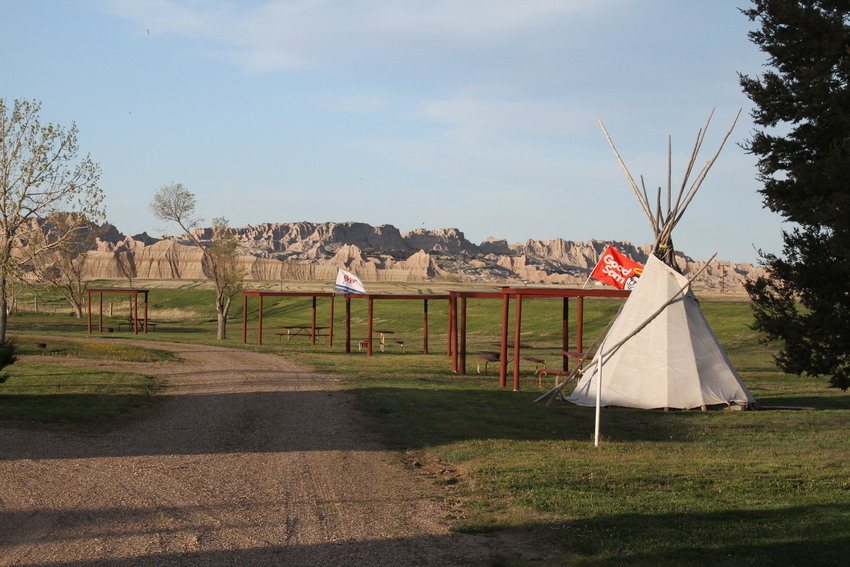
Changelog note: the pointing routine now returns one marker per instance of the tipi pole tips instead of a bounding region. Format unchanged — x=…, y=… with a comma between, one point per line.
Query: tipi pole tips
x=663, y=223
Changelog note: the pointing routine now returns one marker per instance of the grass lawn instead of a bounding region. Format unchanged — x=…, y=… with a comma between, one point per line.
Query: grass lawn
x=42, y=391
x=664, y=488
x=59, y=394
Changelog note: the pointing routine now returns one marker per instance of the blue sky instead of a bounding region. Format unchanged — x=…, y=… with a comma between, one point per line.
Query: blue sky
x=476, y=114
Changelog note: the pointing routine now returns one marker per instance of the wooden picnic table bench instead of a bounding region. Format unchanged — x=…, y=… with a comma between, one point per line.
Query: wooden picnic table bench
x=140, y=323
x=292, y=331
x=489, y=357
x=579, y=356
x=382, y=340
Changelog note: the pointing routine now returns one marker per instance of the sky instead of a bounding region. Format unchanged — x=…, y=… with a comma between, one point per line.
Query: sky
x=481, y=115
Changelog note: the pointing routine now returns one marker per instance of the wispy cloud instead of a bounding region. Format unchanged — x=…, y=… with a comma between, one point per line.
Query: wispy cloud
x=286, y=34
x=473, y=118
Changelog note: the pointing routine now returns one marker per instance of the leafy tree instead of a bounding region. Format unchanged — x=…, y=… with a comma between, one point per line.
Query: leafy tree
x=40, y=175
x=175, y=204
x=803, y=148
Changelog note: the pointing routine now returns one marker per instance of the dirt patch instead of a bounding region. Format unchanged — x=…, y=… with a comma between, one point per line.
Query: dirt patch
x=249, y=460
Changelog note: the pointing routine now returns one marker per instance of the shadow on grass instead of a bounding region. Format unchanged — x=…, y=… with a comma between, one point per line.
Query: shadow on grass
x=63, y=409
x=275, y=421
x=804, y=402
x=56, y=326
x=798, y=535
x=412, y=418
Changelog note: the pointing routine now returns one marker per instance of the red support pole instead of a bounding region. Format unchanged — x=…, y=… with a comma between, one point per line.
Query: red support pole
x=425, y=328
x=331, y=325
x=369, y=327
x=260, y=321
x=517, y=334
x=565, y=333
x=135, y=312
x=244, y=318
x=503, y=352
x=146, y=312
x=313, y=324
x=580, y=325
x=347, y=324
x=88, y=309
x=462, y=352
x=452, y=347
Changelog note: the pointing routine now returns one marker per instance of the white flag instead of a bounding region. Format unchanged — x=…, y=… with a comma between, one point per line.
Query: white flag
x=347, y=282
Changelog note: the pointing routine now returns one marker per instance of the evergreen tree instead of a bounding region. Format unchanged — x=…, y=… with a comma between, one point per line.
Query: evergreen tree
x=802, y=142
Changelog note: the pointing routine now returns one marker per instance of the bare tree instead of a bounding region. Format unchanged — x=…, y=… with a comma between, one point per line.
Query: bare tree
x=64, y=267
x=125, y=262
x=40, y=175
x=175, y=204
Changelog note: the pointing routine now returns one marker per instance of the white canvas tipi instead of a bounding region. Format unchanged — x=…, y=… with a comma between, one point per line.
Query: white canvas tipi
x=660, y=351
x=674, y=361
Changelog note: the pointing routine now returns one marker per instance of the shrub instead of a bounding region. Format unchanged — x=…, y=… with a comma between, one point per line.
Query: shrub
x=8, y=356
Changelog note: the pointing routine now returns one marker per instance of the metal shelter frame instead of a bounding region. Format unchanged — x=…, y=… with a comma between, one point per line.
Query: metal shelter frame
x=371, y=312
x=348, y=297
x=134, y=316
x=457, y=333
x=262, y=294
x=456, y=347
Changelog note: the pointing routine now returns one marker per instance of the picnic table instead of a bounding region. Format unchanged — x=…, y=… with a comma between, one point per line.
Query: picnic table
x=511, y=345
x=292, y=331
x=579, y=356
x=138, y=323
x=489, y=357
x=560, y=373
x=382, y=340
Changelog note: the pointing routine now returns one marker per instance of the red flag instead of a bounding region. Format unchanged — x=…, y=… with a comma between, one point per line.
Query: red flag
x=617, y=270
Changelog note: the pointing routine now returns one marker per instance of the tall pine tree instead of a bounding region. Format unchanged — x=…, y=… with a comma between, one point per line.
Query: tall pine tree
x=802, y=142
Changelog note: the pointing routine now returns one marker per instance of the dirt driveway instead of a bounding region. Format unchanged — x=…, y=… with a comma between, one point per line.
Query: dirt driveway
x=248, y=461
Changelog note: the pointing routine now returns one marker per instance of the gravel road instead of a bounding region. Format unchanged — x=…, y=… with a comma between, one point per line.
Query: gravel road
x=249, y=460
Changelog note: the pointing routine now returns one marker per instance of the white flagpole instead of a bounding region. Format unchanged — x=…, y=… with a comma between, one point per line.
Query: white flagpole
x=598, y=396
x=590, y=275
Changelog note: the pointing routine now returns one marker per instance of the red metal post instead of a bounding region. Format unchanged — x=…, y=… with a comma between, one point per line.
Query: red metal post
x=347, y=324
x=565, y=333
x=517, y=341
x=369, y=327
x=146, y=312
x=580, y=325
x=244, y=318
x=260, y=321
x=503, y=353
x=331, y=324
x=313, y=324
x=452, y=330
x=425, y=327
x=462, y=333
x=88, y=309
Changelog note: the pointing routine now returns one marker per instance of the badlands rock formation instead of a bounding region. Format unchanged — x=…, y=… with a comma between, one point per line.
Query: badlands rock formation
x=314, y=251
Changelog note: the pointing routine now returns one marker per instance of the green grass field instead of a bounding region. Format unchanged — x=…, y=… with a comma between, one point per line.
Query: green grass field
x=663, y=488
